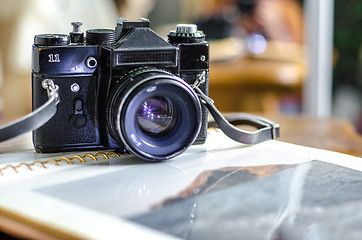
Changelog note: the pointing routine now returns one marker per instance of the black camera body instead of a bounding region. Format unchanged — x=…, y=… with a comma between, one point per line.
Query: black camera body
x=124, y=89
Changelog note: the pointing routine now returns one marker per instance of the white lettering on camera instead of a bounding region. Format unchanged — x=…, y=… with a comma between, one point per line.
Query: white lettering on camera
x=53, y=58
x=135, y=140
x=151, y=89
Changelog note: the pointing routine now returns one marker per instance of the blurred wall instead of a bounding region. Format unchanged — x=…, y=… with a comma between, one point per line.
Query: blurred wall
x=21, y=20
x=165, y=11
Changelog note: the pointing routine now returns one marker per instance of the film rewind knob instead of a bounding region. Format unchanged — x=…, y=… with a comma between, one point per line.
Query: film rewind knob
x=186, y=33
x=186, y=28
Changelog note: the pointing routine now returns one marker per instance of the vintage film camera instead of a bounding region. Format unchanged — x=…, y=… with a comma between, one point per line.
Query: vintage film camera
x=125, y=89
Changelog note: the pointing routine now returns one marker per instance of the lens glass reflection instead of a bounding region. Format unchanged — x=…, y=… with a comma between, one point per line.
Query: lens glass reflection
x=156, y=116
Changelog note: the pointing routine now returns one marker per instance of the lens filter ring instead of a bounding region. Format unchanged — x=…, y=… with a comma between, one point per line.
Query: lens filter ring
x=157, y=117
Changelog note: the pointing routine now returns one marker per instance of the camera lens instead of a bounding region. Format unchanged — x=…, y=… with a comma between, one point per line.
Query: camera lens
x=156, y=116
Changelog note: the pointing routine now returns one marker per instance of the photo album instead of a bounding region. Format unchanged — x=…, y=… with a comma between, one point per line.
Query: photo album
x=266, y=191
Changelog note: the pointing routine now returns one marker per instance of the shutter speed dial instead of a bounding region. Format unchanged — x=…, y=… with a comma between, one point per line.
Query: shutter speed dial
x=51, y=40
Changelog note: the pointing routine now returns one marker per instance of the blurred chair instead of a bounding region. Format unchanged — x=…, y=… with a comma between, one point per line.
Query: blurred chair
x=260, y=66
x=267, y=82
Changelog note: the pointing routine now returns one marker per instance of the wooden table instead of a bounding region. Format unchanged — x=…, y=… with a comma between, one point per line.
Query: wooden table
x=332, y=134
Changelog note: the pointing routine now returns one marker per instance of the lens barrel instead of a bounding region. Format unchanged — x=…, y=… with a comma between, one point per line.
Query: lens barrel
x=154, y=114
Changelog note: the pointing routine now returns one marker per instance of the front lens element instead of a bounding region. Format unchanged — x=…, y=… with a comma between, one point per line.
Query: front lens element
x=156, y=116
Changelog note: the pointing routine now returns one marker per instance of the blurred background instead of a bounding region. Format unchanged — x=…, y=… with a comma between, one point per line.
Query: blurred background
x=267, y=56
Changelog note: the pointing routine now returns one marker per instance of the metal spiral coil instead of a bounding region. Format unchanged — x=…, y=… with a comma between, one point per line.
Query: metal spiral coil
x=69, y=160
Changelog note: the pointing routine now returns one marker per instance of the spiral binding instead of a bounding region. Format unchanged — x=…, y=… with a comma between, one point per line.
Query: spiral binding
x=69, y=160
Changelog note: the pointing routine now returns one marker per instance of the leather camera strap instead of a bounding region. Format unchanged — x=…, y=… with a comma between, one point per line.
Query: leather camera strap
x=266, y=129
x=35, y=119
